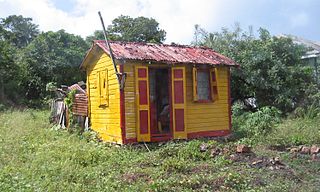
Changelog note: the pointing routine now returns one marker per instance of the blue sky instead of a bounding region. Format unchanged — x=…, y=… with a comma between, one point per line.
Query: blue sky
x=177, y=17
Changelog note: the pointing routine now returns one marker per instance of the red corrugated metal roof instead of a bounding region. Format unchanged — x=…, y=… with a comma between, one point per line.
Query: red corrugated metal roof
x=165, y=53
x=78, y=88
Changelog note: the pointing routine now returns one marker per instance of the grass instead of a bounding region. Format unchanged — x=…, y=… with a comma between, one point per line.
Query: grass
x=34, y=157
x=297, y=131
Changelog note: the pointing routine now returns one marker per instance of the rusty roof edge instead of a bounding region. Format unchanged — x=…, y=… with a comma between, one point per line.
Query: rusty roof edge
x=100, y=43
x=175, y=62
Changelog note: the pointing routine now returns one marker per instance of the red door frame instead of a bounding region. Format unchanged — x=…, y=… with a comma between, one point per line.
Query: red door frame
x=168, y=136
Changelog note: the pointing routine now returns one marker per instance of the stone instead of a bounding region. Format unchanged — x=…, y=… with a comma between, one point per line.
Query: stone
x=215, y=152
x=241, y=148
x=225, y=150
x=257, y=162
x=294, y=150
x=233, y=157
x=277, y=160
x=314, y=149
x=203, y=147
x=305, y=150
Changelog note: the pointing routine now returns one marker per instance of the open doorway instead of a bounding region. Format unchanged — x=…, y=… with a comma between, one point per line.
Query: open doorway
x=159, y=102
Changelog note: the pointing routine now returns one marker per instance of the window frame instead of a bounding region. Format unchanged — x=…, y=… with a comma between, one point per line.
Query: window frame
x=209, y=87
x=213, y=85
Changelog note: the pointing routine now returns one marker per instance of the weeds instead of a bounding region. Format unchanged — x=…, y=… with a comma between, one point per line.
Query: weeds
x=34, y=157
x=255, y=124
x=296, y=132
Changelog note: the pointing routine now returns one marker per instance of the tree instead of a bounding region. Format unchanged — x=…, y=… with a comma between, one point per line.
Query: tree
x=18, y=30
x=271, y=69
x=125, y=28
x=97, y=35
x=8, y=73
x=52, y=57
x=15, y=33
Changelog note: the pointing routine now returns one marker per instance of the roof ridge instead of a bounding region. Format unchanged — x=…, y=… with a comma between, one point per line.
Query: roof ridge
x=152, y=44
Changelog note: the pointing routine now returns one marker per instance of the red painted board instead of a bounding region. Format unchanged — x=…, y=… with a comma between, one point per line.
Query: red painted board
x=143, y=114
x=178, y=92
x=213, y=76
x=179, y=119
x=215, y=90
x=143, y=93
x=142, y=73
x=178, y=73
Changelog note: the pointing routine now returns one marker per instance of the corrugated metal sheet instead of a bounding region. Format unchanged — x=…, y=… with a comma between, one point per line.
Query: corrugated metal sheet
x=80, y=105
x=165, y=53
x=78, y=88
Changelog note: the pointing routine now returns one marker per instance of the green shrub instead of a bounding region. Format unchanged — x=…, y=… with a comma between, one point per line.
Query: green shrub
x=310, y=112
x=2, y=107
x=256, y=124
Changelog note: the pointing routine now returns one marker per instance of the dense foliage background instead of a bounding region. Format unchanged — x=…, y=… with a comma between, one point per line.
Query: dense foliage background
x=29, y=59
x=271, y=73
x=272, y=83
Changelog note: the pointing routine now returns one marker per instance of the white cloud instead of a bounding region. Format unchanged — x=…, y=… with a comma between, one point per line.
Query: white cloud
x=177, y=17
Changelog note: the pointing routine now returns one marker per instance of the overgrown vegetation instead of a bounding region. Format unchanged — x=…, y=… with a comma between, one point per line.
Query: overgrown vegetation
x=272, y=72
x=29, y=59
x=275, y=105
x=267, y=127
x=34, y=157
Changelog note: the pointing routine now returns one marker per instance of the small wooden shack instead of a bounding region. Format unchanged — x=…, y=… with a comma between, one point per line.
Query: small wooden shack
x=59, y=110
x=167, y=92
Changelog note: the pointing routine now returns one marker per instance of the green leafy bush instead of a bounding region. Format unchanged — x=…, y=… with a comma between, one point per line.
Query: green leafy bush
x=255, y=124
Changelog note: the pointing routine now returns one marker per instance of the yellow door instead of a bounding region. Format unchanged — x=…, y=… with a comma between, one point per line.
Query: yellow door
x=143, y=113
x=179, y=102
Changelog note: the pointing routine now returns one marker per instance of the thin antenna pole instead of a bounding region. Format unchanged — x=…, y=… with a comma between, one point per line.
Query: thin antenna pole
x=108, y=45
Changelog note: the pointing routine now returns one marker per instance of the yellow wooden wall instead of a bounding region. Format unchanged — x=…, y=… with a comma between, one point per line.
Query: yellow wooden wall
x=130, y=101
x=104, y=120
x=208, y=116
x=199, y=116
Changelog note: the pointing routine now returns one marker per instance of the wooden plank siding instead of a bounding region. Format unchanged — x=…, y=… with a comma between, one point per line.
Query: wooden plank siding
x=200, y=117
x=104, y=119
x=211, y=116
x=130, y=102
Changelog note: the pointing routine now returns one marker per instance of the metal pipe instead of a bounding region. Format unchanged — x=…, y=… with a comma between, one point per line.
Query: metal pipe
x=109, y=47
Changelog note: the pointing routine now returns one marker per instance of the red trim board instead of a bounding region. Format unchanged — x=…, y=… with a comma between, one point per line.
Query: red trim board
x=122, y=112
x=208, y=134
x=229, y=100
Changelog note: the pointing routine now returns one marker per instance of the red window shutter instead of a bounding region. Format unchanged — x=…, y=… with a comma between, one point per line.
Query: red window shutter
x=178, y=102
x=214, y=84
x=194, y=84
x=142, y=88
x=178, y=92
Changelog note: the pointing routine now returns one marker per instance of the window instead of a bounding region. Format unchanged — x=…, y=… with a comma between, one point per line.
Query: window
x=205, y=87
x=103, y=88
